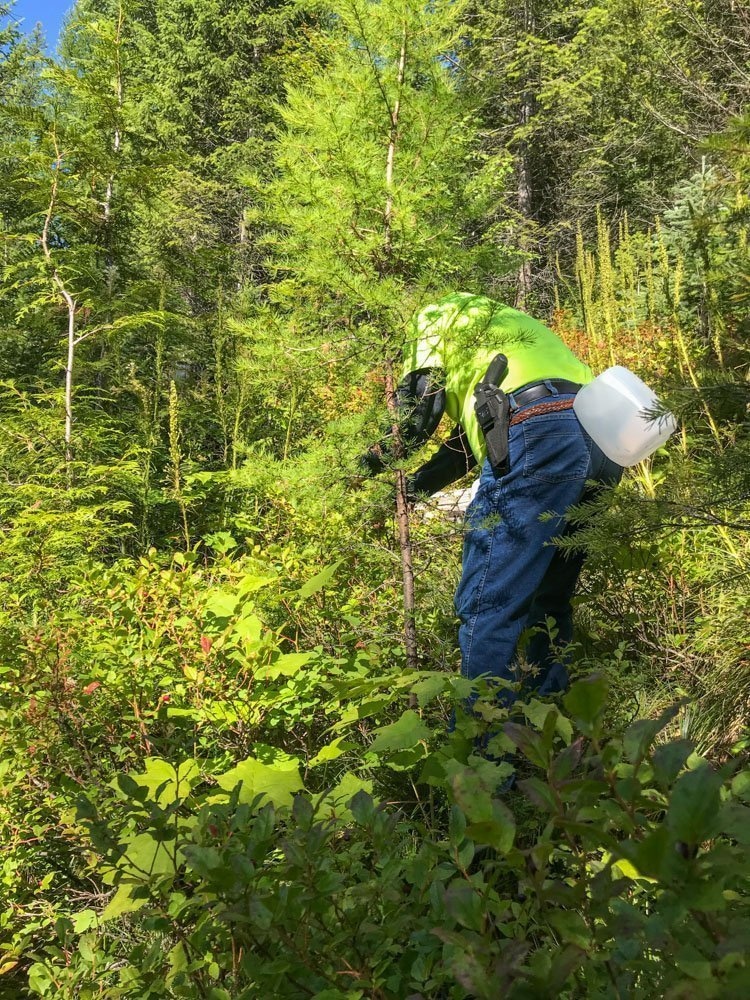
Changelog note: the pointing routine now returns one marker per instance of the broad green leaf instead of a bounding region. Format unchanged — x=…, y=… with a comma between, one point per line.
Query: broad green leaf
x=540, y=793
x=221, y=541
x=331, y=752
x=319, y=581
x=252, y=582
x=170, y=782
x=734, y=820
x=571, y=927
x=285, y=665
x=178, y=962
x=122, y=902
x=498, y=832
x=427, y=689
x=690, y=961
x=201, y=860
x=741, y=786
x=693, y=813
x=585, y=701
x=456, y=827
x=362, y=807
x=564, y=728
x=39, y=979
x=640, y=734
x=361, y=711
x=278, y=782
x=528, y=742
x=669, y=759
x=406, y=760
x=627, y=869
x=403, y=734
x=249, y=628
x=652, y=855
x=84, y=920
x=86, y=947
x=491, y=822
x=221, y=603
x=145, y=857
x=274, y=756
x=465, y=904
x=536, y=712
x=336, y=802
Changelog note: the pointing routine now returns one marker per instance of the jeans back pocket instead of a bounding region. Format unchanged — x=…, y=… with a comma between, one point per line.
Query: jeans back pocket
x=556, y=449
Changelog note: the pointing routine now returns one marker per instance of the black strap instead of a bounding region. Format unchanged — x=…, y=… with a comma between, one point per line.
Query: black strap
x=539, y=390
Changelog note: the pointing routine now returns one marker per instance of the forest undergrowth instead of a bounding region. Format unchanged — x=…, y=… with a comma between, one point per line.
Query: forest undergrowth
x=222, y=774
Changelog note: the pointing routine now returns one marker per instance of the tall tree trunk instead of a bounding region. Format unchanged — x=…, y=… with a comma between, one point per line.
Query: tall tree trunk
x=117, y=137
x=402, y=522
x=402, y=504
x=70, y=305
x=525, y=190
x=525, y=207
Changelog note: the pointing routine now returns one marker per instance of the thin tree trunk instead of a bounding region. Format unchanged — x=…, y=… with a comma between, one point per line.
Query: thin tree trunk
x=525, y=203
x=391, y=159
x=402, y=504
x=70, y=305
x=525, y=190
x=402, y=521
x=69, y=377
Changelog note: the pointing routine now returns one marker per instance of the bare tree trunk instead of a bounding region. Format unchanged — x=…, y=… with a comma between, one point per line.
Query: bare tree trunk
x=391, y=159
x=117, y=139
x=402, y=504
x=525, y=191
x=402, y=521
x=70, y=305
x=525, y=201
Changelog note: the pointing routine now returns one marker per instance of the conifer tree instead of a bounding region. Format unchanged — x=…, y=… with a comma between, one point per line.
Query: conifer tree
x=76, y=169
x=371, y=201
x=601, y=105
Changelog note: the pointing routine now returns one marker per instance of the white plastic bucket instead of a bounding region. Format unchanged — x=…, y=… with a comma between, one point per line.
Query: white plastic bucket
x=614, y=411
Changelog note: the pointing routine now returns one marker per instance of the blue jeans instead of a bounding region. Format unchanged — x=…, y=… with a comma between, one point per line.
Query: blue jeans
x=514, y=577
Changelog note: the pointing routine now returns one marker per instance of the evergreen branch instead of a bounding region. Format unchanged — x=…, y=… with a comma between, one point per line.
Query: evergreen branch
x=372, y=60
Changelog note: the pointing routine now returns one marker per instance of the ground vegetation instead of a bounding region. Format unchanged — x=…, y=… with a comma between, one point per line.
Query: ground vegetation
x=227, y=662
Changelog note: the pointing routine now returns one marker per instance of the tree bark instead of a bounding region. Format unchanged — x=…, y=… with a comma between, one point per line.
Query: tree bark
x=402, y=522
x=525, y=203
x=117, y=138
x=402, y=504
x=525, y=190
x=70, y=305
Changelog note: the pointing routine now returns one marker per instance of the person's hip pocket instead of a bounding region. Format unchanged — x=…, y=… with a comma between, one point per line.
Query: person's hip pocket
x=556, y=451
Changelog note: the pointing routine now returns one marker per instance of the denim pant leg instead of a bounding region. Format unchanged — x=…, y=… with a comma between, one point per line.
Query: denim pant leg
x=510, y=524
x=552, y=599
x=552, y=603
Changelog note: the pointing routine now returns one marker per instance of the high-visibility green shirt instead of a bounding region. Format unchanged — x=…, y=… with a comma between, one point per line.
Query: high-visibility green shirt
x=462, y=333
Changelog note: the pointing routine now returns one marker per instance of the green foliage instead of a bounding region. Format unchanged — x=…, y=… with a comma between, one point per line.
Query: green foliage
x=217, y=778
x=623, y=874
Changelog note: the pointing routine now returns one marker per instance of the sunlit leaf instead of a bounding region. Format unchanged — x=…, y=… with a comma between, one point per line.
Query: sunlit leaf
x=278, y=782
x=403, y=734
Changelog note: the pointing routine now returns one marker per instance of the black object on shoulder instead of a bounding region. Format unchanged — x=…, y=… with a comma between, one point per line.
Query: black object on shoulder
x=492, y=409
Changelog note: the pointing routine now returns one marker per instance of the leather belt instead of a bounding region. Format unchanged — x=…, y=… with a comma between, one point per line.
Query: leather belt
x=551, y=406
x=538, y=390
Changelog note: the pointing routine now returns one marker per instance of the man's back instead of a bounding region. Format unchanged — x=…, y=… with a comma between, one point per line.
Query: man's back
x=461, y=333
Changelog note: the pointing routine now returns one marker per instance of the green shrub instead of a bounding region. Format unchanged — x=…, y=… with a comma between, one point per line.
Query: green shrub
x=620, y=868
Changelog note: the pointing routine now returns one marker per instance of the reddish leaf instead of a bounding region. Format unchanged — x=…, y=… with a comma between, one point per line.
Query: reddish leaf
x=206, y=643
x=90, y=688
